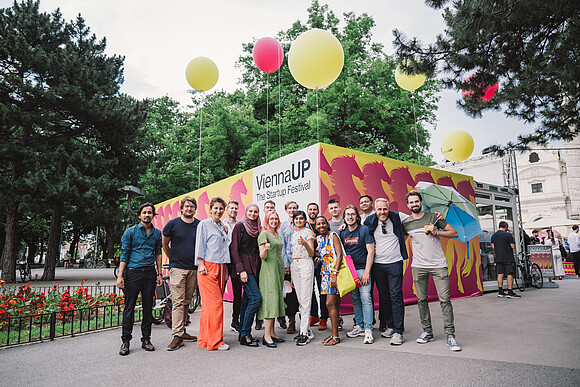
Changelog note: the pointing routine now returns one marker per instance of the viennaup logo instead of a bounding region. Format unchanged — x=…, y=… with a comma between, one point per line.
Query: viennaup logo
x=296, y=172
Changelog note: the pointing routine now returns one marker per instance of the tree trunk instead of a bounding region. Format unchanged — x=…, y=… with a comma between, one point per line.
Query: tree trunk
x=73, y=245
x=53, y=243
x=109, y=233
x=10, y=252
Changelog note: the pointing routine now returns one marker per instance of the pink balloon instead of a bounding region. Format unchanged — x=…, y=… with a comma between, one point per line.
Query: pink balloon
x=268, y=54
x=487, y=95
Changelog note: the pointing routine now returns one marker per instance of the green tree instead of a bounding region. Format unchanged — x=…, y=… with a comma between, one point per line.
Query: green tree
x=530, y=47
x=363, y=109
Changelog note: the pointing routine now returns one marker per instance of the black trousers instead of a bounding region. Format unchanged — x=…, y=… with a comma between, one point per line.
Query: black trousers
x=237, y=303
x=291, y=300
x=144, y=282
x=389, y=280
x=314, y=304
x=575, y=257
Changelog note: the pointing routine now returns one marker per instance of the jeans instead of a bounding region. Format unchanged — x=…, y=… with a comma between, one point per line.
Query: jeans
x=137, y=281
x=362, y=304
x=237, y=302
x=441, y=279
x=389, y=280
x=314, y=306
x=250, y=305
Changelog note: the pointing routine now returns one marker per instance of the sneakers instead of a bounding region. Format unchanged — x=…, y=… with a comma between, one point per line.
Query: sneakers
x=282, y=322
x=425, y=337
x=175, y=344
x=356, y=332
x=302, y=340
x=340, y=323
x=235, y=326
x=500, y=293
x=223, y=347
x=369, y=339
x=452, y=343
x=259, y=325
x=397, y=339
x=388, y=333
x=322, y=326
x=513, y=295
x=314, y=321
x=310, y=334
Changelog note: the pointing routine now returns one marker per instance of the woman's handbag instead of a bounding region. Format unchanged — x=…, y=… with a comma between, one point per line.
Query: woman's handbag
x=347, y=279
x=563, y=251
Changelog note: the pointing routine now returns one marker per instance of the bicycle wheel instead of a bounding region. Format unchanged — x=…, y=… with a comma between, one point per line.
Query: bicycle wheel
x=101, y=264
x=89, y=264
x=519, y=278
x=195, y=301
x=537, y=277
x=116, y=271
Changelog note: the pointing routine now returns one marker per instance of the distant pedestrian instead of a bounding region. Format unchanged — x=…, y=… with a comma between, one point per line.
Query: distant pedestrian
x=574, y=242
x=555, y=242
x=179, y=246
x=140, y=254
x=503, y=243
x=212, y=255
x=535, y=239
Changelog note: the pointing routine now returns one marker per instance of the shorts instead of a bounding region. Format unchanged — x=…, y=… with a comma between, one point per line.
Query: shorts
x=508, y=268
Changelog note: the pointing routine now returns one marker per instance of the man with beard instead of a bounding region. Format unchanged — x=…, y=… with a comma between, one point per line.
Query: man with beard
x=231, y=220
x=387, y=273
x=179, y=245
x=425, y=230
x=366, y=207
x=286, y=230
x=140, y=254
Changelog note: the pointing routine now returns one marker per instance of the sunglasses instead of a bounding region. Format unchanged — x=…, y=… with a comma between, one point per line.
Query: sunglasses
x=384, y=228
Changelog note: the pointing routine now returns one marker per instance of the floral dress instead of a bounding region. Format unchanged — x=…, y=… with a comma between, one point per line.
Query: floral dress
x=327, y=254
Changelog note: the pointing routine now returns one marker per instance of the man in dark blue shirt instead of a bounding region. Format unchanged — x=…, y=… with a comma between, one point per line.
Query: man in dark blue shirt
x=179, y=245
x=503, y=243
x=140, y=253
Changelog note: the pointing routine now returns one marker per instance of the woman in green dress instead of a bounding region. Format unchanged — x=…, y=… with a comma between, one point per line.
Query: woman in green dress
x=271, y=279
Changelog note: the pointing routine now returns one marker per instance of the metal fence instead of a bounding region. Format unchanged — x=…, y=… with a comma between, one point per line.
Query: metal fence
x=92, y=289
x=48, y=326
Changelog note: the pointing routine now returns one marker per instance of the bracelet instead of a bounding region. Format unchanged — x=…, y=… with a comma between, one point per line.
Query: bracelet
x=335, y=271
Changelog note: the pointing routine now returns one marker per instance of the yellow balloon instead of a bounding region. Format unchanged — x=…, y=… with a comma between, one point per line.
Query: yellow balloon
x=201, y=73
x=457, y=145
x=408, y=81
x=315, y=58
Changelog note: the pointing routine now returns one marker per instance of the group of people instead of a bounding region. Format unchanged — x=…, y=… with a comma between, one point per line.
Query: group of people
x=562, y=249
x=286, y=268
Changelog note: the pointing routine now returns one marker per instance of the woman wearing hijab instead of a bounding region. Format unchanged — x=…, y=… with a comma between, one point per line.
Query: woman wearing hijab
x=212, y=255
x=246, y=259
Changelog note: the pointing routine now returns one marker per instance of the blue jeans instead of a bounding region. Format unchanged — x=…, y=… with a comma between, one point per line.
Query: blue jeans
x=362, y=304
x=389, y=280
x=250, y=305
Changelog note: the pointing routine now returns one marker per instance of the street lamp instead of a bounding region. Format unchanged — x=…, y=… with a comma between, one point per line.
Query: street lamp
x=130, y=190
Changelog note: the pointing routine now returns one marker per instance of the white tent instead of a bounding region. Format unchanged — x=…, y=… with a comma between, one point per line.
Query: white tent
x=550, y=222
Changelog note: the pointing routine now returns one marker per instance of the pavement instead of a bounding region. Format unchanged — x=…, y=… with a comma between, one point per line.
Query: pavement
x=532, y=341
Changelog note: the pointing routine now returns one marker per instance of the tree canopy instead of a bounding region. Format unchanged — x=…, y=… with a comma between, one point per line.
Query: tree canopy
x=530, y=47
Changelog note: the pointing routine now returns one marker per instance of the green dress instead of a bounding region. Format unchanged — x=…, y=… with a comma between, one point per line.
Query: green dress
x=271, y=278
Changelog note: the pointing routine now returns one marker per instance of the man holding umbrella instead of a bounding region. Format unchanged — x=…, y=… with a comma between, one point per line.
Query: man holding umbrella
x=428, y=259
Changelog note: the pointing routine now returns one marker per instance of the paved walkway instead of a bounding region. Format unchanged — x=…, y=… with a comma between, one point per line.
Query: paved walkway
x=533, y=341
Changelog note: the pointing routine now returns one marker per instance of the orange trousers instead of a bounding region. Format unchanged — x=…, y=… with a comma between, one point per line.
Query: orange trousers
x=211, y=289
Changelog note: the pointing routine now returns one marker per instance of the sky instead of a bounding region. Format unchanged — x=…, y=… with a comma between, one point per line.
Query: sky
x=158, y=39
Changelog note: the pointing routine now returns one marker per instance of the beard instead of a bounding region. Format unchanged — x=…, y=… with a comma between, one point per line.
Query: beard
x=416, y=210
x=188, y=216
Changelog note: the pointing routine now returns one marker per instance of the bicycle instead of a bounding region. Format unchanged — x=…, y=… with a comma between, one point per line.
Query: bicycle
x=162, y=303
x=489, y=272
x=528, y=274
x=89, y=264
x=24, y=268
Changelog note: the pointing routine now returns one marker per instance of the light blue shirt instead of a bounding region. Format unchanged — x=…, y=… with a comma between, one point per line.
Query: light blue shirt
x=212, y=242
x=286, y=229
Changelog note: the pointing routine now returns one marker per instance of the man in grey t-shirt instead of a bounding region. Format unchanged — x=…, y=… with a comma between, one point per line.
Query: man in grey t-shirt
x=336, y=221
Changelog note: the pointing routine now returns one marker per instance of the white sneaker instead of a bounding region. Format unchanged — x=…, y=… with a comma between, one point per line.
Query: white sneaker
x=388, y=333
x=369, y=339
x=356, y=332
x=223, y=347
x=452, y=343
x=397, y=339
x=310, y=334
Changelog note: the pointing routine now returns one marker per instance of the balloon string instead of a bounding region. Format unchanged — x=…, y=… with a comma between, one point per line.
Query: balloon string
x=199, y=158
x=267, y=131
x=317, y=131
x=416, y=131
x=279, y=107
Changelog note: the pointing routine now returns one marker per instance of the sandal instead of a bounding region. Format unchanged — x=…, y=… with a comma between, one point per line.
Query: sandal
x=333, y=341
x=327, y=340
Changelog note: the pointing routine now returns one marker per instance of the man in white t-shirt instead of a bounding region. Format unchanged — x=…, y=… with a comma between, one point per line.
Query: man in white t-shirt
x=387, y=272
x=425, y=230
x=574, y=243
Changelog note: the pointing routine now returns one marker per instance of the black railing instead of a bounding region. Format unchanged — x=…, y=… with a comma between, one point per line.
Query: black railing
x=48, y=326
x=91, y=289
